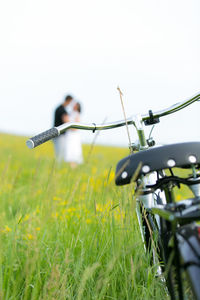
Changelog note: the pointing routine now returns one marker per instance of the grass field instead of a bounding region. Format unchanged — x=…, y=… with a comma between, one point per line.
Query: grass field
x=69, y=234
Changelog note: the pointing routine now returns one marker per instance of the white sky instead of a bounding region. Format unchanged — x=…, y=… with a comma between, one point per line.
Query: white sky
x=150, y=48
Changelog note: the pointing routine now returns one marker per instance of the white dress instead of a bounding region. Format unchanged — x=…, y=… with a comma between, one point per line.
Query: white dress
x=73, y=147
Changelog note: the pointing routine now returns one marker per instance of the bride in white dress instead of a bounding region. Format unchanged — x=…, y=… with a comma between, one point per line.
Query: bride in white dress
x=73, y=147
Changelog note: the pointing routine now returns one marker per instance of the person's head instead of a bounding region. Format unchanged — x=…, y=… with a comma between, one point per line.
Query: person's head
x=77, y=107
x=68, y=100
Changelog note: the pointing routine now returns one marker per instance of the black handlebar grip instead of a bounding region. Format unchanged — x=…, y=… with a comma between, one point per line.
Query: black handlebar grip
x=42, y=137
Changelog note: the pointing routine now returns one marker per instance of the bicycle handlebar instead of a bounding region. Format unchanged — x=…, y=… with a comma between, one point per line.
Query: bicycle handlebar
x=56, y=131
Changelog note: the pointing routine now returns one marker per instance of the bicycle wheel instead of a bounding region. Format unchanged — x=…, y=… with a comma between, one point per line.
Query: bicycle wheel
x=183, y=264
x=151, y=236
x=167, y=256
x=188, y=238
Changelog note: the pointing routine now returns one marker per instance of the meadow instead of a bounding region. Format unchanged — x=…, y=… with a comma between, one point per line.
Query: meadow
x=69, y=233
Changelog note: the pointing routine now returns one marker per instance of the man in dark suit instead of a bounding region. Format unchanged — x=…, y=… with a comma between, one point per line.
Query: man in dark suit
x=61, y=116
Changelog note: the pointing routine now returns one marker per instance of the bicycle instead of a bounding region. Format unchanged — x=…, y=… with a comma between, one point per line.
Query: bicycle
x=168, y=228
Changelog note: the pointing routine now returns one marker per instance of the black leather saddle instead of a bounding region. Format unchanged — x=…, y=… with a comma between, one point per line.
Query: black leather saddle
x=181, y=155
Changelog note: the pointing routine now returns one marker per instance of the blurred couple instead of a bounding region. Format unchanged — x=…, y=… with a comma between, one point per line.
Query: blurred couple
x=68, y=146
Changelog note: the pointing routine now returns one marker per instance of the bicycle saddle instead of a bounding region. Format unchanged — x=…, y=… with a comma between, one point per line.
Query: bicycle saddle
x=181, y=155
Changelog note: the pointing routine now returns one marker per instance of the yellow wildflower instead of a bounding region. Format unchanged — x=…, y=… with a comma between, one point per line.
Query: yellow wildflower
x=55, y=198
x=71, y=209
x=99, y=207
x=6, y=229
x=94, y=170
x=111, y=177
x=63, y=203
x=26, y=217
x=29, y=236
x=88, y=221
x=55, y=214
x=37, y=210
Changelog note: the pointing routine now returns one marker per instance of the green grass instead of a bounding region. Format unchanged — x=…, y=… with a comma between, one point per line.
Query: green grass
x=69, y=234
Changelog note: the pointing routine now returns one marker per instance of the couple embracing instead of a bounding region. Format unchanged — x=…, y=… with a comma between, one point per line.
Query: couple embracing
x=68, y=145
